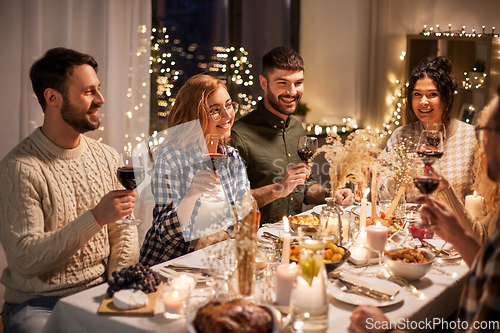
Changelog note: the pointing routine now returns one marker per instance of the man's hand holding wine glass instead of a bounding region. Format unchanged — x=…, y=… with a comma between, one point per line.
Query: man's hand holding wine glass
x=295, y=175
x=114, y=206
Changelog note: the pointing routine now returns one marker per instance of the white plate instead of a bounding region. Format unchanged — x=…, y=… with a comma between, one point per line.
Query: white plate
x=356, y=299
x=272, y=310
x=437, y=242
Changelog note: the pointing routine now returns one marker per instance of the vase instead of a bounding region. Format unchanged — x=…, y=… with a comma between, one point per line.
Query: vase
x=309, y=299
x=246, y=249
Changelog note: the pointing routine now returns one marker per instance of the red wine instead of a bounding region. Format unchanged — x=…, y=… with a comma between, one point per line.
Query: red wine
x=305, y=154
x=130, y=177
x=430, y=153
x=426, y=185
x=217, y=156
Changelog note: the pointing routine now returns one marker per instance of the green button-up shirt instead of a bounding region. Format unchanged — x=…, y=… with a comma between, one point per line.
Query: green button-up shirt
x=268, y=145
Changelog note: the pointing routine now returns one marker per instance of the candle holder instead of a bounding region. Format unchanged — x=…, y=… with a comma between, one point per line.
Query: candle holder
x=330, y=222
x=309, y=300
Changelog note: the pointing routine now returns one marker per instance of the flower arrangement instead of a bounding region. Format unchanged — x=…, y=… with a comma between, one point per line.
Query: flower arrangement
x=400, y=160
x=350, y=161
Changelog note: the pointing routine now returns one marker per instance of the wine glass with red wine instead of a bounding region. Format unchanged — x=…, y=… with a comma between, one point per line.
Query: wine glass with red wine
x=430, y=146
x=130, y=174
x=425, y=177
x=437, y=127
x=306, y=147
x=217, y=151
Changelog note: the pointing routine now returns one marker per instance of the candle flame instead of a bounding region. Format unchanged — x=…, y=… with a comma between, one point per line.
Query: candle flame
x=286, y=225
x=365, y=193
x=175, y=293
x=292, y=265
x=475, y=193
x=378, y=224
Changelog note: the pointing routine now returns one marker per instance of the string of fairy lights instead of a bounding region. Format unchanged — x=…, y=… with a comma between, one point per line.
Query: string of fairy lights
x=231, y=65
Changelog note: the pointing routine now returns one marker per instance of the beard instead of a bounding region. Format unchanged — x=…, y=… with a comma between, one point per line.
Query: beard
x=275, y=103
x=73, y=117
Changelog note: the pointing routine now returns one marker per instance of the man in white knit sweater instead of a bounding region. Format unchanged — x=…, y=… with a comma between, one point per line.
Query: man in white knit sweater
x=60, y=198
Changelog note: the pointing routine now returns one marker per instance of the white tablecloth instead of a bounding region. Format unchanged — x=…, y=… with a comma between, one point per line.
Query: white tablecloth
x=78, y=313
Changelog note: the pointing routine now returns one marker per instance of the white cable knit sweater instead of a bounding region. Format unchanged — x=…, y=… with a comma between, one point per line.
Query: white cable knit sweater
x=53, y=243
x=455, y=165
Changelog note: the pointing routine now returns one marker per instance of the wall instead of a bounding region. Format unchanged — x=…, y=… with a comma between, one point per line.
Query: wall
x=352, y=49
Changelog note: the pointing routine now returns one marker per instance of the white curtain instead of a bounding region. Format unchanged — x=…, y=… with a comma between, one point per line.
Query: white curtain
x=115, y=32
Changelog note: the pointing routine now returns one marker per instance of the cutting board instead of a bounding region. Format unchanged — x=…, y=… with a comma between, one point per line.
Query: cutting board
x=107, y=307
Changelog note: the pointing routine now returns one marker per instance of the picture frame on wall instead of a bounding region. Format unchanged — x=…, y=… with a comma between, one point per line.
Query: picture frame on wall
x=468, y=113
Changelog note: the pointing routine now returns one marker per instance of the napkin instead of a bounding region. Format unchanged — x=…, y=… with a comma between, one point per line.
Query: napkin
x=362, y=283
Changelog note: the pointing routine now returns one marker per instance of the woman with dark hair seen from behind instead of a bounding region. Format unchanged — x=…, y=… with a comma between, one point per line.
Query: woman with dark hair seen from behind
x=429, y=100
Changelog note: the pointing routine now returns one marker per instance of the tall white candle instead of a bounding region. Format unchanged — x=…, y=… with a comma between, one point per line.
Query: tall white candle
x=362, y=214
x=285, y=277
x=376, y=238
x=285, y=257
x=374, y=190
x=474, y=204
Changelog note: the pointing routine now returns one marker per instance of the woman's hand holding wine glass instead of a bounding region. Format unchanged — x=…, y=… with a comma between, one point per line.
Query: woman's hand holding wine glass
x=130, y=174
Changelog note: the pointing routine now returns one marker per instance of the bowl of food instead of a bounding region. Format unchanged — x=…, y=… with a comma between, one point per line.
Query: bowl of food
x=409, y=264
x=308, y=223
x=334, y=255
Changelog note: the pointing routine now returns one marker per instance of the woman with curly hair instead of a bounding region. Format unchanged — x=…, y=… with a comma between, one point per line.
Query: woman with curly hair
x=429, y=99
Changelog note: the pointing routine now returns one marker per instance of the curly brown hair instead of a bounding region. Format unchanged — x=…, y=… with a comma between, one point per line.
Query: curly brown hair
x=438, y=69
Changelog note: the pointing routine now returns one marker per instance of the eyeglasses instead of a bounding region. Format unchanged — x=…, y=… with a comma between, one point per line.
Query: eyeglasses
x=480, y=137
x=230, y=108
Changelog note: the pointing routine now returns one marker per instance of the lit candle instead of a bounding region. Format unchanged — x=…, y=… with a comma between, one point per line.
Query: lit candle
x=285, y=257
x=183, y=282
x=285, y=277
x=374, y=190
x=175, y=304
x=376, y=238
x=474, y=204
x=362, y=215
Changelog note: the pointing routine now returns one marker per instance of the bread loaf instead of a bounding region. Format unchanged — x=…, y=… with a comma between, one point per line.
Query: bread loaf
x=236, y=316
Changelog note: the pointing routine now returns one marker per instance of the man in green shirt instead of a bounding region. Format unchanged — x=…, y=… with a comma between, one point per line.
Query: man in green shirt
x=267, y=139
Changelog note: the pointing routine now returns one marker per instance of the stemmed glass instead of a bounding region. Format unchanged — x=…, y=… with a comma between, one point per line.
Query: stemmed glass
x=430, y=146
x=130, y=174
x=217, y=151
x=425, y=177
x=306, y=147
x=437, y=127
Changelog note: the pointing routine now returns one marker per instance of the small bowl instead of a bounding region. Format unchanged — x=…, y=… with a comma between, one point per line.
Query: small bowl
x=307, y=228
x=334, y=265
x=410, y=271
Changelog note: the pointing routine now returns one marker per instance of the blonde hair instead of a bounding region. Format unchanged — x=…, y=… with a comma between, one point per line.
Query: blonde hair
x=191, y=100
x=485, y=187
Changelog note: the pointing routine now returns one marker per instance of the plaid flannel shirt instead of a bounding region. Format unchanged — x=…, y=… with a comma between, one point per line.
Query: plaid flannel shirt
x=480, y=303
x=173, y=174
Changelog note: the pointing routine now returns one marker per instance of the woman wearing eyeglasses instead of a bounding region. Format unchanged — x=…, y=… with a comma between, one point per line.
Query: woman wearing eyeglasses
x=192, y=191
x=429, y=100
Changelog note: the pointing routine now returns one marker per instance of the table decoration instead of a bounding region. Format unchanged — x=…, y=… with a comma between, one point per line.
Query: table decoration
x=309, y=300
x=352, y=160
x=175, y=303
x=285, y=257
x=246, y=247
x=376, y=238
x=474, y=204
x=374, y=170
x=396, y=171
x=285, y=277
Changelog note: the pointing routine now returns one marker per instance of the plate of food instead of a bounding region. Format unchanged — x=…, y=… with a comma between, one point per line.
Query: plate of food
x=238, y=315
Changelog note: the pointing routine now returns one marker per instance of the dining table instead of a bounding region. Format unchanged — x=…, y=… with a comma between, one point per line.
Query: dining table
x=437, y=298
